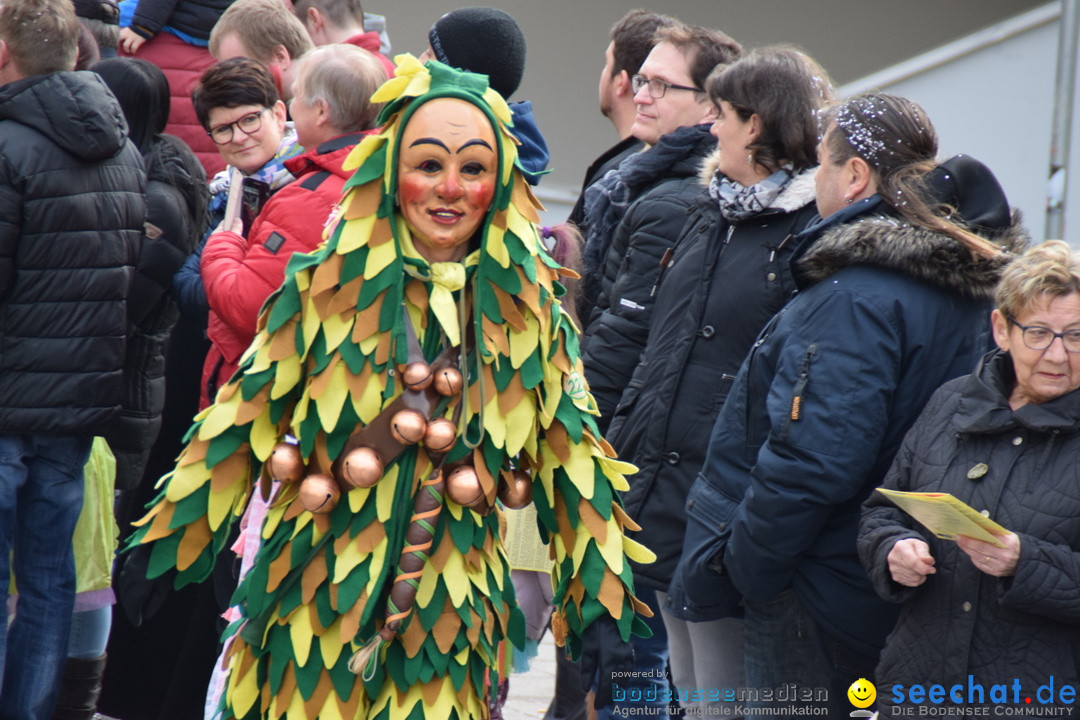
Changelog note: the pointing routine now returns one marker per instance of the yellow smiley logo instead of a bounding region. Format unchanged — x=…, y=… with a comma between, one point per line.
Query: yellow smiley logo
x=862, y=694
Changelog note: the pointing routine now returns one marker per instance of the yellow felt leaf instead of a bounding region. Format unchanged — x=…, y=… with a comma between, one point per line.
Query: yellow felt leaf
x=354, y=233
x=309, y=323
x=242, y=694
x=384, y=494
x=520, y=424
x=611, y=551
x=263, y=435
x=220, y=505
x=378, y=559
x=332, y=401
x=335, y=330
x=221, y=417
x=637, y=552
x=429, y=580
x=363, y=151
x=186, y=480
x=580, y=468
x=301, y=634
x=369, y=404
x=379, y=257
x=494, y=423
x=456, y=578
x=523, y=344
x=286, y=376
x=496, y=248
x=357, y=497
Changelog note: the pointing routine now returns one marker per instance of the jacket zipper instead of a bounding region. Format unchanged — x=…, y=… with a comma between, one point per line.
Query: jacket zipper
x=800, y=388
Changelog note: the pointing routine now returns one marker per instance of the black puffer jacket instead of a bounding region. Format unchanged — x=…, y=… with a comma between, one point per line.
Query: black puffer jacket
x=71, y=217
x=722, y=285
x=193, y=17
x=665, y=189
x=176, y=199
x=961, y=621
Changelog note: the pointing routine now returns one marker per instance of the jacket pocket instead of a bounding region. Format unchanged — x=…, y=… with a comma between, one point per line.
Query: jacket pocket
x=700, y=590
x=798, y=391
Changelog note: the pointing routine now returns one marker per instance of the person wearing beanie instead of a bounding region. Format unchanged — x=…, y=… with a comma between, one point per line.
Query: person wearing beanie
x=490, y=42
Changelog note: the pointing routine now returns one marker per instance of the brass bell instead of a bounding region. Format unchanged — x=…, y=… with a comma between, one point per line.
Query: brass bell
x=362, y=467
x=416, y=376
x=440, y=436
x=463, y=487
x=408, y=426
x=448, y=381
x=515, y=491
x=285, y=463
x=319, y=493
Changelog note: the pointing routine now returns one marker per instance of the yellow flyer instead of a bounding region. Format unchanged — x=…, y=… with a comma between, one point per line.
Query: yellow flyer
x=945, y=516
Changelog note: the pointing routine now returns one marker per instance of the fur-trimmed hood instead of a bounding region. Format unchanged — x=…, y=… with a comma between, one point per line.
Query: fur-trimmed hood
x=926, y=255
x=796, y=195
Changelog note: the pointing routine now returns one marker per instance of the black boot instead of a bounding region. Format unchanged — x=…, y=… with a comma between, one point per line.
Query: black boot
x=79, y=689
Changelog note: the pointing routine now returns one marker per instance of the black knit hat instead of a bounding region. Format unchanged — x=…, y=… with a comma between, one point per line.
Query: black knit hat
x=481, y=40
x=971, y=187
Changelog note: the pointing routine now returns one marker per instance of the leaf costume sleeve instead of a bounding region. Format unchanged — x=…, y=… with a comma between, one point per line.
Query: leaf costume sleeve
x=326, y=363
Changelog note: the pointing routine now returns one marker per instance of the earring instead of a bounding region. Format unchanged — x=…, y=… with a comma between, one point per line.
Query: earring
x=848, y=199
x=750, y=158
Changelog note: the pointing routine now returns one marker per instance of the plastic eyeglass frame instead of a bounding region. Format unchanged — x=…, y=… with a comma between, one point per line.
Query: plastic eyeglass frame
x=1054, y=336
x=638, y=82
x=234, y=126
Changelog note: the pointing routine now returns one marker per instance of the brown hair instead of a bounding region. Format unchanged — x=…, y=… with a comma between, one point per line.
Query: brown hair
x=894, y=136
x=232, y=83
x=704, y=49
x=346, y=77
x=261, y=26
x=633, y=37
x=42, y=35
x=339, y=13
x=785, y=88
x=1050, y=269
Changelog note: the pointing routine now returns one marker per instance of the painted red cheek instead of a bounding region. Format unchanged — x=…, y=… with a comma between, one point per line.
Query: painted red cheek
x=481, y=194
x=412, y=190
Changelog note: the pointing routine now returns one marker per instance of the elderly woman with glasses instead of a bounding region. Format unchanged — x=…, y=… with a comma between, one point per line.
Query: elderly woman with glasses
x=1006, y=441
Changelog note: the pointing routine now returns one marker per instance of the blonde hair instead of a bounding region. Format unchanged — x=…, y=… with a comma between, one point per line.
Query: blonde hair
x=344, y=76
x=42, y=35
x=1050, y=269
x=261, y=26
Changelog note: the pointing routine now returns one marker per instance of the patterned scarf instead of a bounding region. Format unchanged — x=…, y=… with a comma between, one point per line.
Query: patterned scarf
x=738, y=202
x=273, y=173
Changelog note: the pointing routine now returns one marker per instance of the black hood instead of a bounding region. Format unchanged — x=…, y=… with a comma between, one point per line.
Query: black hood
x=73, y=109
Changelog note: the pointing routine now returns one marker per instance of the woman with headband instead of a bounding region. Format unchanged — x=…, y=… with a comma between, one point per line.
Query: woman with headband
x=896, y=282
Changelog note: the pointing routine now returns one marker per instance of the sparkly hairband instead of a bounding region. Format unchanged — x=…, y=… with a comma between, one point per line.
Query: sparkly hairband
x=869, y=147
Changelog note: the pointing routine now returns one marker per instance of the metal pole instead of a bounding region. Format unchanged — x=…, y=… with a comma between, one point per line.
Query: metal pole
x=1064, y=88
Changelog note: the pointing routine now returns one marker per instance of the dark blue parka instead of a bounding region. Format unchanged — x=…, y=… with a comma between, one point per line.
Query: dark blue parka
x=888, y=313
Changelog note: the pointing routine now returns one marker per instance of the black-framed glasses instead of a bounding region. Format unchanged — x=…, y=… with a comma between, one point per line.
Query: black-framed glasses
x=1037, y=337
x=658, y=87
x=246, y=124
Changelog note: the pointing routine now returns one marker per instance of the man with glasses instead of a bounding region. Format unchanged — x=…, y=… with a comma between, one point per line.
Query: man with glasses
x=634, y=215
x=72, y=209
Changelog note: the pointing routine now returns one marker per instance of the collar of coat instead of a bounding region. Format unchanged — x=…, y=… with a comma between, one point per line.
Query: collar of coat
x=888, y=242
x=799, y=193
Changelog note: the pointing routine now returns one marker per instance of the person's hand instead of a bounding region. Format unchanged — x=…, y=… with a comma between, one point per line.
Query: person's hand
x=237, y=226
x=139, y=595
x=603, y=653
x=130, y=41
x=910, y=562
x=991, y=559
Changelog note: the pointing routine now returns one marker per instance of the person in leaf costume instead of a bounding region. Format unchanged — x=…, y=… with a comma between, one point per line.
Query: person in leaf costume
x=431, y=313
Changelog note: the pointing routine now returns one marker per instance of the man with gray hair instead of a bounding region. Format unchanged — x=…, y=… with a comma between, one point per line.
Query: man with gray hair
x=71, y=219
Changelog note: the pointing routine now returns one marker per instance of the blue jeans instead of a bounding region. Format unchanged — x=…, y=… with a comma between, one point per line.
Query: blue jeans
x=788, y=653
x=41, y=493
x=646, y=693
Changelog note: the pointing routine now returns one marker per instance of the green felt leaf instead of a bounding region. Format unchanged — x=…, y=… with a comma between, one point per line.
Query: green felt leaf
x=505, y=278
x=190, y=508
x=307, y=676
x=327, y=614
x=225, y=444
x=163, y=555
x=603, y=495
x=568, y=414
x=532, y=372
x=254, y=382
x=488, y=303
x=281, y=653
x=343, y=679
x=373, y=168
x=352, y=267
x=516, y=630
x=286, y=306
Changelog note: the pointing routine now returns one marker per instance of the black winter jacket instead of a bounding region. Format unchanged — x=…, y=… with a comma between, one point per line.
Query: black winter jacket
x=176, y=199
x=816, y=414
x=723, y=283
x=71, y=217
x=615, y=333
x=192, y=17
x=961, y=621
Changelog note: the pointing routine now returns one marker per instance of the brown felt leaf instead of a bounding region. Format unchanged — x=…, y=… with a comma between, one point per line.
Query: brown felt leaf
x=557, y=439
x=321, y=303
x=228, y=470
x=368, y=538
x=441, y=554
x=365, y=200
x=196, y=537
x=380, y=232
x=446, y=628
x=283, y=342
x=566, y=531
x=487, y=482
x=596, y=525
x=496, y=334
x=359, y=382
x=248, y=410
x=345, y=298
x=525, y=202
x=317, y=386
x=559, y=628
x=472, y=630
x=640, y=608
x=413, y=637
x=624, y=521
x=612, y=593
x=314, y=574
x=509, y=309
x=430, y=690
x=367, y=320
x=382, y=350
x=279, y=567
x=225, y=393
x=512, y=395
x=288, y=686
x=416, y=294
x=327, y=274
x=350, y=621
x=320, y=461
x=530, y=293
x=160, y=526
x=314, y=704
x=194, y=452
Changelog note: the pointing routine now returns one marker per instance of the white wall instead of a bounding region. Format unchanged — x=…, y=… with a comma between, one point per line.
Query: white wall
x=995, y=103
